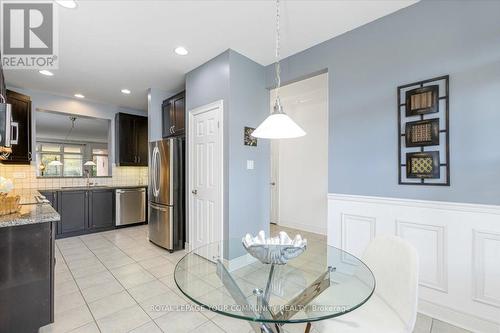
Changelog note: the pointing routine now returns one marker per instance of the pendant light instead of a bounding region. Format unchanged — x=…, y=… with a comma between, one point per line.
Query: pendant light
x=55, y=162
x=278, y=125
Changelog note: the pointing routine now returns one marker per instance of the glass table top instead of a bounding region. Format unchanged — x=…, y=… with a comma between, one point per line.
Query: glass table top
x=323, y=282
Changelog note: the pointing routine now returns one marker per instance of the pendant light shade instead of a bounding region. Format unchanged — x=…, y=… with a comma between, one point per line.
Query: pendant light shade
x=55, y=162
x=278, y=126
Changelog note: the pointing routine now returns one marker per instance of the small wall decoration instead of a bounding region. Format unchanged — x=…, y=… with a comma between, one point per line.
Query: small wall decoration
x=248, y=139
x=422, y=100
x=422, y=165
x=423, y=133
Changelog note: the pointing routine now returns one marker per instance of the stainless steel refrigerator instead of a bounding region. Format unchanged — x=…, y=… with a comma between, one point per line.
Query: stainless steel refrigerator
x=167, y=208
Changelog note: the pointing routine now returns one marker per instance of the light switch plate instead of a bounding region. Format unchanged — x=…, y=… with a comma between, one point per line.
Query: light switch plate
x=249, y=164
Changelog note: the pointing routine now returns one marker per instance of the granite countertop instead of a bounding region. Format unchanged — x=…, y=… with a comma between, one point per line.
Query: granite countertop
x=30, y=212
x=97, y=187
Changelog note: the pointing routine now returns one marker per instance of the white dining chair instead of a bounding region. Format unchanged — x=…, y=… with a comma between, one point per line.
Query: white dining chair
x=393, y=306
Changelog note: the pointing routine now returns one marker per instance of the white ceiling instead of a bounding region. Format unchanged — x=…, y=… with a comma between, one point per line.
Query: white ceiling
x=56, y=126
x=108, y=45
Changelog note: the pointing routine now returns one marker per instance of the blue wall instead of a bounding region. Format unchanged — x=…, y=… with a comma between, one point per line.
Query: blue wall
x=428, y=39
x=241, y=83
x=249, y=190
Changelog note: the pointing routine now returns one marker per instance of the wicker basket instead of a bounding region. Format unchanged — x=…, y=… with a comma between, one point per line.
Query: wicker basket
x=9, y=204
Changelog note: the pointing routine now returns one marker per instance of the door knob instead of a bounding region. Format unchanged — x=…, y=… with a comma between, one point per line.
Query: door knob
x=195, y=192
x=272, y=183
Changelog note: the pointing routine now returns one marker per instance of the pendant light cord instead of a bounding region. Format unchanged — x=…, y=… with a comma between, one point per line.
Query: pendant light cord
x=73, y=119
x=277, y=63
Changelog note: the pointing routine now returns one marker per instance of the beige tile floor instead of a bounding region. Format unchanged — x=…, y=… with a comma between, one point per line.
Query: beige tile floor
x=109, y=281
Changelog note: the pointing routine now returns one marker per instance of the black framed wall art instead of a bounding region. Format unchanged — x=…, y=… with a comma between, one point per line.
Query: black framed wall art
x=248, y=139
x=423, y=133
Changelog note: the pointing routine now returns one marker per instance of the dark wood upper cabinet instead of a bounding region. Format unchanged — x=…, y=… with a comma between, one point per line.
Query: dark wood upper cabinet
x=174, y=115
x=141, y=128
x=131, y=140
x=21, y=129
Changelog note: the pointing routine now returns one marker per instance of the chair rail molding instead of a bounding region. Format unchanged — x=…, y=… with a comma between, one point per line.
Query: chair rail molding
x=458, y=246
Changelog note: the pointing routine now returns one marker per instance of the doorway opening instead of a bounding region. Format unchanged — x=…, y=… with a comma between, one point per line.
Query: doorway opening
x=299, y=167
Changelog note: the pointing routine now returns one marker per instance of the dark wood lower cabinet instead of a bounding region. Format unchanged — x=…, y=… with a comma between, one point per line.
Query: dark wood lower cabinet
x=73, y=208
x=27, y=277
x=83, y=211
x=101, y=209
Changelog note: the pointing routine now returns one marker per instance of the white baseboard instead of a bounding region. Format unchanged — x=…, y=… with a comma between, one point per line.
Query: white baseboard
x=303, y=226
x=239, y=262
x=457, y=318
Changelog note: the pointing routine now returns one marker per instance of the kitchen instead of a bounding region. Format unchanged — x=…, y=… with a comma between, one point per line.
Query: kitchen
x=75, y=168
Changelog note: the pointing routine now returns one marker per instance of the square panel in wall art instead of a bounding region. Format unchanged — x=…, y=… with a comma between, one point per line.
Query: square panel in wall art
x=248, y=139
x=422, y=133
x=422, y=165
x=422, y=100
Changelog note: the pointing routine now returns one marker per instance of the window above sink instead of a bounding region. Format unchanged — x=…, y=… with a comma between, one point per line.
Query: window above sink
x=71, y=146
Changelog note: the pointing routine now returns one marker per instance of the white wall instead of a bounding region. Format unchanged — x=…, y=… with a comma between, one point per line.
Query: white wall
x=303, y=162
x=458, y=245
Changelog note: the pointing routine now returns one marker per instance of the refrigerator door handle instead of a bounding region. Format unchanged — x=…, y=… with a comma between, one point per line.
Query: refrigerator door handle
x=153, y=172
x=156, y=189
x=157, y=171
x=171, y=171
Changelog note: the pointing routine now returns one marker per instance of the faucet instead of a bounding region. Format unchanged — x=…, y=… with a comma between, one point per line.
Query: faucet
x=87, y=171
x=87, y=174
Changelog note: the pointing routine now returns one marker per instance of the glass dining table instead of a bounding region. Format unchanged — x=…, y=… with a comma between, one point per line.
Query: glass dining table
x=323, y=282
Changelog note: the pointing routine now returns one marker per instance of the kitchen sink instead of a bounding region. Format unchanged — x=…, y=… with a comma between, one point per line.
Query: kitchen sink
x=83, y=187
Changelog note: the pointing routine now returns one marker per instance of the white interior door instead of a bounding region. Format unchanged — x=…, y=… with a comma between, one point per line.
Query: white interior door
x=205, y=175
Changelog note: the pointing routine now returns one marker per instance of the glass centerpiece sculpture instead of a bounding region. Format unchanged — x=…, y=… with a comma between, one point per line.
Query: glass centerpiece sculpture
x=274, y=250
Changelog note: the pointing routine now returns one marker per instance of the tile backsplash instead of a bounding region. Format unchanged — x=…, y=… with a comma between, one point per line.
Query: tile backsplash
x=24, y=177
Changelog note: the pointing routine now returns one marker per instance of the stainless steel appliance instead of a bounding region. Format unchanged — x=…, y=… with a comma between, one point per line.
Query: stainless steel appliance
x=130, y=206
x=167, y=193
x=8, y=128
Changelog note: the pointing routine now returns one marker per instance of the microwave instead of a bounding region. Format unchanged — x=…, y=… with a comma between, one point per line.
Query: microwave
x=9, y=130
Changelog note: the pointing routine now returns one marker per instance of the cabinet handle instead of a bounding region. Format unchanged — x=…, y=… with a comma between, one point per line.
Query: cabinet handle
x=15, y=125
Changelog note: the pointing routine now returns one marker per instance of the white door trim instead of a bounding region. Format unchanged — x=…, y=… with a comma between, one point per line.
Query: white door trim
x=191, y=113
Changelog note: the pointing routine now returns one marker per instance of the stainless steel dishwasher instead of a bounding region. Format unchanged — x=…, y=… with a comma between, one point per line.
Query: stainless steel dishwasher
x=130, y=205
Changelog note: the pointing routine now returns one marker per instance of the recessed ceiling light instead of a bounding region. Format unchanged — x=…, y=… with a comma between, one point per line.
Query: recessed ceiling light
x=79, y=96
x=71, y=4
x=181, y=50
x=46, y=72
x=126, y=91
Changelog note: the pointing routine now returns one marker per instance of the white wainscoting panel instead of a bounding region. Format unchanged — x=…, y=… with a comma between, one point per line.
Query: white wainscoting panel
x=486, y=247
x=357, y=231
x=458, y=246
x=430, y=242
